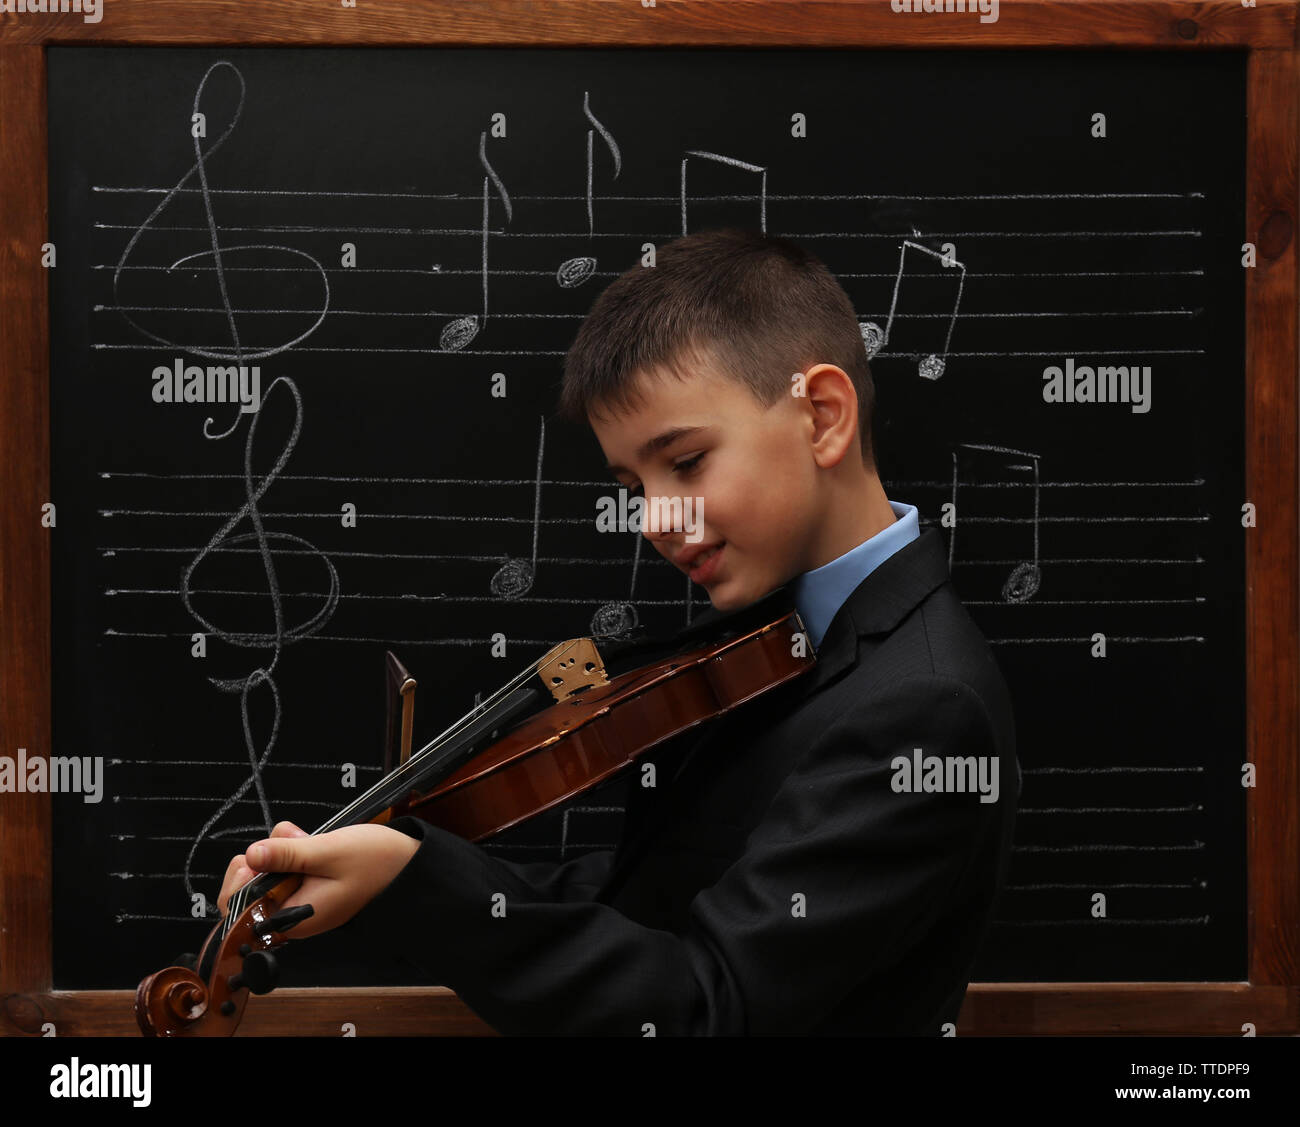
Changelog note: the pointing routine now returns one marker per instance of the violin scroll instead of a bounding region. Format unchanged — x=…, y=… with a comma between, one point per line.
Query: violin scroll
x=170, y=1000
x=177, y=1002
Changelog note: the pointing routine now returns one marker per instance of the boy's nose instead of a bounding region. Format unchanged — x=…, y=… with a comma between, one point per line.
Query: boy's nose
x=659, y=517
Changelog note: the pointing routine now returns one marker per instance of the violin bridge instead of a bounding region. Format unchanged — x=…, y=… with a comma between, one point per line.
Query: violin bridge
x=571, y=666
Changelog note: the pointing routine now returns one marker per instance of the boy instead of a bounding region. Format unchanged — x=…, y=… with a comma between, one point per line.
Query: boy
x=794, y=869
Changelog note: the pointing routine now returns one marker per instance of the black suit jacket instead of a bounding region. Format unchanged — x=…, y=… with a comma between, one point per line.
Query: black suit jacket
x=773, y=880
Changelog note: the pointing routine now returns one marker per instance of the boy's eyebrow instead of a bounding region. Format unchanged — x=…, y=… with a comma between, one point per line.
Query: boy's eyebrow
x=665, y=438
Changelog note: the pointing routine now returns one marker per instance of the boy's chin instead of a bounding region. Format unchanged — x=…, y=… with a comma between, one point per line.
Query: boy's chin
x=726, y=599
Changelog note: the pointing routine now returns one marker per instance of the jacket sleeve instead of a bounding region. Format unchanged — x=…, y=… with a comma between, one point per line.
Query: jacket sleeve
x=842, y=875
x=578, y=879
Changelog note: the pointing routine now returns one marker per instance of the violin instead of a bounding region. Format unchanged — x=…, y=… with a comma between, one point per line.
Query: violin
x=577, y=716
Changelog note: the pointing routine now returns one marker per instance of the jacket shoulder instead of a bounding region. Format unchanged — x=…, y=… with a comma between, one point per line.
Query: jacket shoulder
x=939, y=642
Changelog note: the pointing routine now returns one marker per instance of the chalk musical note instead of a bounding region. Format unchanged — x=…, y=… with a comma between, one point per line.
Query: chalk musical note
x=932, y=365
x=574, y=271
x=219, y=253
x=458, y=333
x=514, y=578
x=275, y=639
x=733, y=162
x=1025, y=578
x=619, y=618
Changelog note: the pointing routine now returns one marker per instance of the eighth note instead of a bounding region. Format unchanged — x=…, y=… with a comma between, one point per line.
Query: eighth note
x=930, y=366
x=1026, y=577
x=744, y=166
x=458, y=333
x=574, y=271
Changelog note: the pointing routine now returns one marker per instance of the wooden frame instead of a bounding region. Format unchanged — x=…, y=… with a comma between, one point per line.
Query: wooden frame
x=1269, y=1000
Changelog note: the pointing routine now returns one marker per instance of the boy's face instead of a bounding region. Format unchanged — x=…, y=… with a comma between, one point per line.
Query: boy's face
x=737, y=475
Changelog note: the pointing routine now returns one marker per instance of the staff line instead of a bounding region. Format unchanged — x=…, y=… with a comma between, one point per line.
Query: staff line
x=505, y=233
x=426, y=313
x=503, y=272
x=1089, y=640
x=1086, y=350
x=547, y=642
x=396, y=598
x=113, y=592
x=1080, y=519
x=596, y=484
x=673, y=199
x=1056, y=561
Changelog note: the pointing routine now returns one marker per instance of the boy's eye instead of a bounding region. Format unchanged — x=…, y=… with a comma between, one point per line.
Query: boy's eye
x=684, y=466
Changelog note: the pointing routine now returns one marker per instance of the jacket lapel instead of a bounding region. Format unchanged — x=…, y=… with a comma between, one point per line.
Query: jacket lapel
x=878, y=604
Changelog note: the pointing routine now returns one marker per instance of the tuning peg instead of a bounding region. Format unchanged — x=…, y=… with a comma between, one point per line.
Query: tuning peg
x=189, y=960
x=283, y=921
x=259, y=975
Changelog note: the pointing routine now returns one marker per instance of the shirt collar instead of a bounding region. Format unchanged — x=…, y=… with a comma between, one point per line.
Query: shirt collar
x=821, y=592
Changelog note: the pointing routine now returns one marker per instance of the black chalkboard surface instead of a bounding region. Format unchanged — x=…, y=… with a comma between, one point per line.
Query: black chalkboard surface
x=395, y=237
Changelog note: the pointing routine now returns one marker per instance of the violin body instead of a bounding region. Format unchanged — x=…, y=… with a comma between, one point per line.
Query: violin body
x=593, y=734
x=596, y=727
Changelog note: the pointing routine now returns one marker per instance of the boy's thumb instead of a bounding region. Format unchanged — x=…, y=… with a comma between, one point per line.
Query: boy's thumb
x=280, y=855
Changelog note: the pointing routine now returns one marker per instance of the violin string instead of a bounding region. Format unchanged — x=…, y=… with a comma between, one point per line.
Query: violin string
x=237, y=901
x=239, y=898
x=415, y=760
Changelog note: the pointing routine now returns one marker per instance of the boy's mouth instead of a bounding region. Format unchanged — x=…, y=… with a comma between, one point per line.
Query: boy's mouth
x=695, y=561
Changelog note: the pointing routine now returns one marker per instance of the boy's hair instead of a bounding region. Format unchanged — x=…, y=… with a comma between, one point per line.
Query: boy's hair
x=754, y=306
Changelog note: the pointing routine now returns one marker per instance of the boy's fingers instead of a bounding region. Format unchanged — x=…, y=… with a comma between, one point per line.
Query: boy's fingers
x=236, y=863
x=288, y=829
x=231, y=879
x=292, y=855
x=242, y=876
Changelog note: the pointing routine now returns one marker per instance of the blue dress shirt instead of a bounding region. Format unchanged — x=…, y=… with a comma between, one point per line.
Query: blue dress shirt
x=819, y=593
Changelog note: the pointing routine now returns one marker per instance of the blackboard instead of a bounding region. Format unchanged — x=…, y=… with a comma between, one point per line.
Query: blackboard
x=984, y=233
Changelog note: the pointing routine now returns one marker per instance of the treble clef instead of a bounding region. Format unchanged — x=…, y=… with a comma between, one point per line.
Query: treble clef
x=275, y=639
x=281, y=633
x=219, y=253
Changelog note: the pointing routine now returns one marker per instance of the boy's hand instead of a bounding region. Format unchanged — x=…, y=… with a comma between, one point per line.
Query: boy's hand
x=343, y=870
